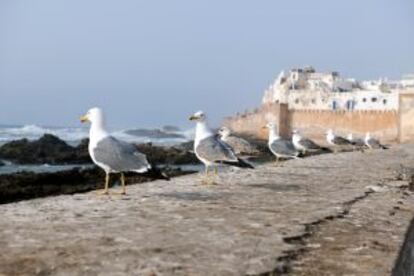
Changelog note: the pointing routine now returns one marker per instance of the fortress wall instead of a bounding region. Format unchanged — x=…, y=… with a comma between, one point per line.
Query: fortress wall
x=252, y=123
x=406, y=118
x=382, y=124
x=314, y=123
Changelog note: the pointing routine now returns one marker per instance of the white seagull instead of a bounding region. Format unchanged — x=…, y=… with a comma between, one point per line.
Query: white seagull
x=335, y=140
x=112, y=155
x=372, y=143
x=210, y=150
x=304, y=144
x=281, y=148
x=238, y=144
x=357, y=142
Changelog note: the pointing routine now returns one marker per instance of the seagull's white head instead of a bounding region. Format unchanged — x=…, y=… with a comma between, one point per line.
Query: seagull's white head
x=94, y=115
x=224, y=132
x=295, y=131
x=199, y=116
x=270, y=126
x=329, y=132
x=350, y=137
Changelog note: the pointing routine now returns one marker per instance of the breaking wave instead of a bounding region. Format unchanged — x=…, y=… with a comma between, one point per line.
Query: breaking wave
x=74, y=135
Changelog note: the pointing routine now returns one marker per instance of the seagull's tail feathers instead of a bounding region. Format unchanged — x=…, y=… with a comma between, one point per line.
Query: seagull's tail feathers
x=239, y=163
x=325, y=149
x=385, y=146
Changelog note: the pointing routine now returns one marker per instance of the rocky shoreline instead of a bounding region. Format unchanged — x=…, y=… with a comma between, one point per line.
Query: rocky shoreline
x=51, y=150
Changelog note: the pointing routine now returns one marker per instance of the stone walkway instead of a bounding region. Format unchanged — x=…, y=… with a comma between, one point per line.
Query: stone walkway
x=322, y=215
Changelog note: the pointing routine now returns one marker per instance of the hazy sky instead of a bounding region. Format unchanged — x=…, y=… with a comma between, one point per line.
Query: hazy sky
x=155, y=62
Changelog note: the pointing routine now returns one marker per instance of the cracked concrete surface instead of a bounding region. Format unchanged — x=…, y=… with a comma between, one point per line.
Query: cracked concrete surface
x=244, y=226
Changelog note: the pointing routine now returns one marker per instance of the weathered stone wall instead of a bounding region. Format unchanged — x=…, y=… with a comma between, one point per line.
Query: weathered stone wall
x=252, y=123
x=406, y=118
x=314, y=123
x=382, y=124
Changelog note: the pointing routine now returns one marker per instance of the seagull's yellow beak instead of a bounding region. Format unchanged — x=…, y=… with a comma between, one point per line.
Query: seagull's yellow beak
x=84, y=118
x=192, y=118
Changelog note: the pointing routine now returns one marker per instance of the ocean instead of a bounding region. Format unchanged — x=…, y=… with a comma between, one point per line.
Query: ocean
x=165, y=136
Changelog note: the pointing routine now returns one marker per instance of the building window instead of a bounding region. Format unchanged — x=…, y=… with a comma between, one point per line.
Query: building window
x=384, y=101
x=313, y=101
x=296, y=101
x=364, y=100
x=373, y=99
x=334, y=105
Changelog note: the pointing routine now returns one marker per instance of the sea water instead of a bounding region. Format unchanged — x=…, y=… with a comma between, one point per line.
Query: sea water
x=73, y=136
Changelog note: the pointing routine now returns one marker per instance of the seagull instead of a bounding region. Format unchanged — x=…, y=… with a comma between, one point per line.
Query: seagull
x=357, y=142
x=281, y=148
x=112, y=155
x=210, y=150
x=373, y=143
x=335, y=140
x=304, y=144
x=238, y=144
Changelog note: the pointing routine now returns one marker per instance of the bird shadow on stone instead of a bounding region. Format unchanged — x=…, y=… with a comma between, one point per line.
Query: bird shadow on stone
x=192, y=196
x=276, y=187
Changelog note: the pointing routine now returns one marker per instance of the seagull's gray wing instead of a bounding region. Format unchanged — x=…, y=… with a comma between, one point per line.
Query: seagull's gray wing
x=240, y=145
x=309, y=144
x=120, y=156
x=374, y=143
x=283, y=147
x=358, y=142
x=215, y=150
x=338, y=140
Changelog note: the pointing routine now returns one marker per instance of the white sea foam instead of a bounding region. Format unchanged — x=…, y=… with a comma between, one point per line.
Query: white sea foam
x=32, y=132
x=74, y=135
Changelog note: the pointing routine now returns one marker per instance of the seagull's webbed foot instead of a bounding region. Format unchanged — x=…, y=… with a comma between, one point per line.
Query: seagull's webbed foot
x=119, y=193
x=102, y=192
x=208, y=178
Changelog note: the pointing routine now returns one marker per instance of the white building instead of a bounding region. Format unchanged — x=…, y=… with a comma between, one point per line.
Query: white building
x=304, y=88
x=408, y=81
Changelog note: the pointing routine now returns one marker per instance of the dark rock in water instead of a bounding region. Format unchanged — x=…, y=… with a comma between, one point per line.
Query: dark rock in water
x=48, y=149
x=188, y=146
x=82, y=152
x=167, y=155
x=27, y=185
x=1, y=163
x=153, y=133
x=170, y=129
x=51, y=150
